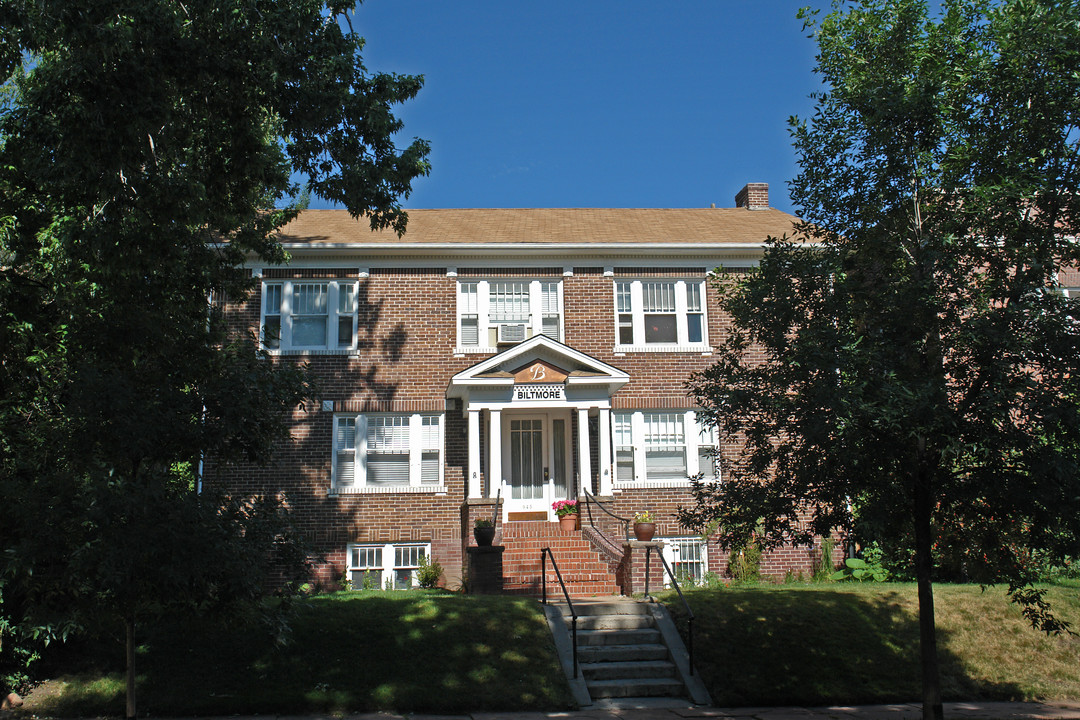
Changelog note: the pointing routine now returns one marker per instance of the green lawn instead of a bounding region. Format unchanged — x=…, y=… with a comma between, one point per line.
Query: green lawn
x=418, y=651
x=436, y=652
x=858, y=643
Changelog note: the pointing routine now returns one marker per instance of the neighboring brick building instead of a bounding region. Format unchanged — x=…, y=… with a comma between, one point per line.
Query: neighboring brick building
x=525, y=353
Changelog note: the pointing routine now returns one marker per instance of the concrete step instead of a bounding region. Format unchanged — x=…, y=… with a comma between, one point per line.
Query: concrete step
x=612, y=606
x=627, y=670
x=615, y=653
x=615, y=622
x=642, y=687
x=649, y=636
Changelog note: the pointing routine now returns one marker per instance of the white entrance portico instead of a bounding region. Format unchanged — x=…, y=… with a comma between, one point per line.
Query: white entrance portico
x=522, y=406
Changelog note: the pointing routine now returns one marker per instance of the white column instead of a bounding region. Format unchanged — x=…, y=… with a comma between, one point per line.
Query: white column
x=605, y=451
x=494, y=451
x=476, y=488
x=584, y=458
x=637, y=432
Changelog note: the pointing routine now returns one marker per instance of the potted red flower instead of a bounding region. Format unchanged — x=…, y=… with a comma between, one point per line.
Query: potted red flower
x=567, y=511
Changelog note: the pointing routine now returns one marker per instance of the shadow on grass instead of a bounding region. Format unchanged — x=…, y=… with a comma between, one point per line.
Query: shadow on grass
x=805, y=646
x=352, y=652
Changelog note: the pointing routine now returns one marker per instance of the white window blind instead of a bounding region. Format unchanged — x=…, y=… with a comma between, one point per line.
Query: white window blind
x=430, y=446
x=509, y=302
x=549, y=307
x=388, y=450
x=624, y=446
x=665, y=446
x=469, y=314
x=345, y=442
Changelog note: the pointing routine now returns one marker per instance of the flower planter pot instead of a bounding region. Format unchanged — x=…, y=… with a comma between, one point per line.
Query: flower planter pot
x=644, y=531
x=568, y=522
x=484, y=536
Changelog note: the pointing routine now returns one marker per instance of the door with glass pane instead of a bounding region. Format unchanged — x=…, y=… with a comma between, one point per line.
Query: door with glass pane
x=536, y=471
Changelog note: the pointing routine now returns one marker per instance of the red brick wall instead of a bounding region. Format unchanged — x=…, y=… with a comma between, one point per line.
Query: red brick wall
x=407, y=331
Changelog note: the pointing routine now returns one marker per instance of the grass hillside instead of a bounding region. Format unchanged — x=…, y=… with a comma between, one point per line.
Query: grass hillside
x=858, y=643
x=440, y=653
x=348, y=652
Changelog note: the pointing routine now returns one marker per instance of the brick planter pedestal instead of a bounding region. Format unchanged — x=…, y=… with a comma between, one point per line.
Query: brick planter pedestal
x=632, y=567
x=485, y=570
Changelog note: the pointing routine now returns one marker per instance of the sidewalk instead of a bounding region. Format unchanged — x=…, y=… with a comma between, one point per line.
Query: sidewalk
x=1064, y=710
x=1060, y=710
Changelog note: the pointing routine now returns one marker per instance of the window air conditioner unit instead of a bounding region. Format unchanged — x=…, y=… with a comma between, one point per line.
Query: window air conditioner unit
x=511, y=333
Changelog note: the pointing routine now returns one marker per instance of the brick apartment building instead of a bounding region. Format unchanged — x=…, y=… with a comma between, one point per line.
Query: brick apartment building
x=529, y=354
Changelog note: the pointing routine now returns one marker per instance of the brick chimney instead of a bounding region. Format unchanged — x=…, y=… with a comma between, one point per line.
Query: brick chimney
x=753, y=196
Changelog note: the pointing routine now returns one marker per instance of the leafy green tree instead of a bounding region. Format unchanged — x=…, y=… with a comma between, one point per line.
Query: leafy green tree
x=146, y=149
x=906, y=365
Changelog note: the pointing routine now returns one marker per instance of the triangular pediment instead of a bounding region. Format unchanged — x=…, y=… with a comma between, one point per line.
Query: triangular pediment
x=538, y=360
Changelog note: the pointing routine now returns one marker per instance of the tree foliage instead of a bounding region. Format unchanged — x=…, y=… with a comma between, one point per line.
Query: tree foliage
x=146, y=149
x=905, y=367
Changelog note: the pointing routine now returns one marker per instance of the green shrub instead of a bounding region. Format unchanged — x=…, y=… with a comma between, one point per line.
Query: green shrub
x=823, y=566
x=429, y=573
x=866, y=568
x=744, y=564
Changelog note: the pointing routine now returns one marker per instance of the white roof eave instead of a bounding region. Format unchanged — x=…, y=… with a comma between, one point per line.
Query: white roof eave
x=520, y=249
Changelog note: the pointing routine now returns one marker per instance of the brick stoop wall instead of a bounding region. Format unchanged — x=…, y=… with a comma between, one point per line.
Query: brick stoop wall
x=585, y=571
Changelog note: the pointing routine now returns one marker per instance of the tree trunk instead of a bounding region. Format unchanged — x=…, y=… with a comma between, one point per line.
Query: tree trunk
x=931, y=674
x=129, y=627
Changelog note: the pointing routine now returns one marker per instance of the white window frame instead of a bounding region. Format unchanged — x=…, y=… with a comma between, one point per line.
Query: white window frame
x=629, y=297
x=674, y=548
x=425, y=435
x=474, y=300
x=695, y=437
x=388, y=557
x=341, y=304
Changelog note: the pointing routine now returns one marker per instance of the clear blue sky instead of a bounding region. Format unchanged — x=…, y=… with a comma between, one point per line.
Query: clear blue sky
x=596, y=103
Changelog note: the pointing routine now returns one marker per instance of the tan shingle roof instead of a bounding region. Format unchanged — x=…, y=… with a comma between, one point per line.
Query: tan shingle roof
x=571, y=225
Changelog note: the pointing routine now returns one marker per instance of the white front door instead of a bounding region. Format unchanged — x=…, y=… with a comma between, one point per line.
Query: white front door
x=535, y=467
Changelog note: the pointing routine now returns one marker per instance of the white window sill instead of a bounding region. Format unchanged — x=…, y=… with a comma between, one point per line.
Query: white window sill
x=474, y=350
x=663, y=348
x=314, y=351
x=389, y=490
x=648, y=484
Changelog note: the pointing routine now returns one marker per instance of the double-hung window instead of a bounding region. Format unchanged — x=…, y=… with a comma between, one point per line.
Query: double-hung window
x=623, y=436
x=661, y=448
x=379, y=567
x=387, y=453
x=707, y=448
x=498, y=312
x=303, y=314
x=660, y=315
x=665, y=446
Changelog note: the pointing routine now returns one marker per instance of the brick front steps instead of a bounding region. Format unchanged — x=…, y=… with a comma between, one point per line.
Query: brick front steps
x=584, y=570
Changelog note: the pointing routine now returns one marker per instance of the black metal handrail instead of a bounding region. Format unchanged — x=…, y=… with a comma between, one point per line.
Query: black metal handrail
x=544, y=554
x=649, y=549
x=590, y=499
